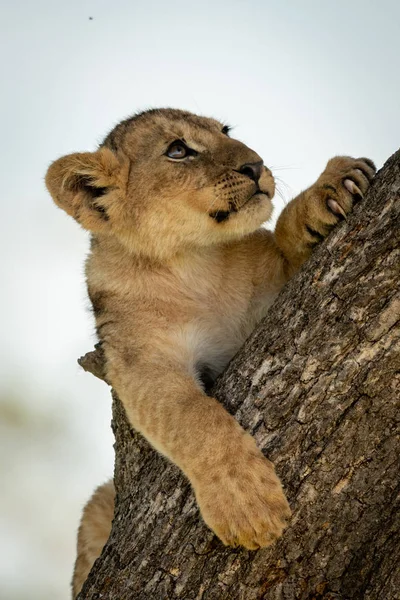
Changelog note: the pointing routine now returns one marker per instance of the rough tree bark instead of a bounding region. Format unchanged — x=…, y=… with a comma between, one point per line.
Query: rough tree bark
x=318, y=385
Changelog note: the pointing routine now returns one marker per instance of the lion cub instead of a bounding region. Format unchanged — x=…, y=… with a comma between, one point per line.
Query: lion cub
x=179, y=273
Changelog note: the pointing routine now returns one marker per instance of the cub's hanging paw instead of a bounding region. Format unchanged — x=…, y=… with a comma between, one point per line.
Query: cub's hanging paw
x=242, y=501
x=343, y=183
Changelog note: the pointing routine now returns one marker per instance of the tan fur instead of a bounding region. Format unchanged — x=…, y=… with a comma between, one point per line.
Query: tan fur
x=93, y=532
x=176, y=293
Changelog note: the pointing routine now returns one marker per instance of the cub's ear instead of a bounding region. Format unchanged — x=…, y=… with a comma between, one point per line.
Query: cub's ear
x=79, y=183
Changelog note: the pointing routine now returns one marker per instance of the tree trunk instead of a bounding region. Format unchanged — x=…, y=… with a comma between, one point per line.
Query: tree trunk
x=318, y=386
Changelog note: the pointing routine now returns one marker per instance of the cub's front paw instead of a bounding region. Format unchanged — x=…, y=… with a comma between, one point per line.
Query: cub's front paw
x=242, y=501
x=343, y=183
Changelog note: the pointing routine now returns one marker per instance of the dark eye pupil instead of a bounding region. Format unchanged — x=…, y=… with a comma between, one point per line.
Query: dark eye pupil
x=177, y=150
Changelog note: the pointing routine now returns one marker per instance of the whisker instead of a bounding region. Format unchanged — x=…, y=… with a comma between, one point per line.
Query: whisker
x=212, y=204
x=286, y=187
x=281, y=196
x=195, y=189
x=283, y=167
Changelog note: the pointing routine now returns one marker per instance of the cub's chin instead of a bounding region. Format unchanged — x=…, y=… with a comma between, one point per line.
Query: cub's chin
x=257, y=209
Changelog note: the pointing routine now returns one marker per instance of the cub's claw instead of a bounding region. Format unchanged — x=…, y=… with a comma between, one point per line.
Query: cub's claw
x=343, y=183
x=309, y=218
x=335, y=207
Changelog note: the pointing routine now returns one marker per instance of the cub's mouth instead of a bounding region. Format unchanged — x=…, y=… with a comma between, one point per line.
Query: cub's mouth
x=223, y=215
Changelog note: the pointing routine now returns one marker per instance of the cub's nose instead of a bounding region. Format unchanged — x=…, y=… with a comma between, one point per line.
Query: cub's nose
x=252, y=170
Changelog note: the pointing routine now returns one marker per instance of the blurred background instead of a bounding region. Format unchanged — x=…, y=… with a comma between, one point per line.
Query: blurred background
x=299, y=81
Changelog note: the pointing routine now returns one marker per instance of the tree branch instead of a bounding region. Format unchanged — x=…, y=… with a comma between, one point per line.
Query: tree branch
x=94, y=362
x=317, y=384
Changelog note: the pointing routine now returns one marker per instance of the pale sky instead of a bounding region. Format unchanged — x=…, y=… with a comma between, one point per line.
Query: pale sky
x=300, y=82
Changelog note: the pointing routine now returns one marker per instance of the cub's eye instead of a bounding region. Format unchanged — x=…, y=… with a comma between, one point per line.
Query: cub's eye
x=179, y=150
x=226, y=129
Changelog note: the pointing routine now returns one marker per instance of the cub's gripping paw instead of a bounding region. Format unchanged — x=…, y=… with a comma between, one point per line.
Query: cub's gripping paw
x=243, y=502
x=343, y=183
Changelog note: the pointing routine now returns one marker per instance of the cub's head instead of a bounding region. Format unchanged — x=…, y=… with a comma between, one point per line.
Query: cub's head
x=164, y=181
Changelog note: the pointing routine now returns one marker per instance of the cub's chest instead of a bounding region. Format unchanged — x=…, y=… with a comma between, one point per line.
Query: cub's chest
x=205, y=345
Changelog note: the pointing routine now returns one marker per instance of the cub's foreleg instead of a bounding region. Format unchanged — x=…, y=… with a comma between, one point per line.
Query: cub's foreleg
x=308, y=219
x=238, y=492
